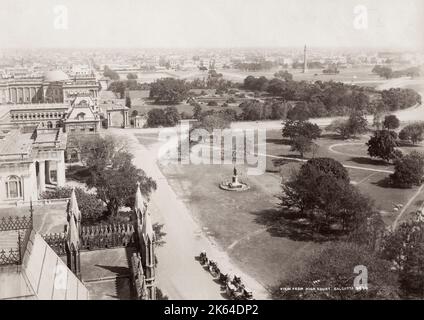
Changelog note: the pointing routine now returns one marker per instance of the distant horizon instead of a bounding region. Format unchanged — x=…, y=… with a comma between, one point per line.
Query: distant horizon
x=189, y=24
x=401, y=49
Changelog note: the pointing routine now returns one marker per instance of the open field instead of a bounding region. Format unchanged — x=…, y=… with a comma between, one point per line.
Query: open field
x=241, y=223
x=248, y=225
x=356, y=75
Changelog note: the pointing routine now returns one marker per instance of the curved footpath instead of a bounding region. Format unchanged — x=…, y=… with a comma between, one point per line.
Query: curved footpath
x=179, y=274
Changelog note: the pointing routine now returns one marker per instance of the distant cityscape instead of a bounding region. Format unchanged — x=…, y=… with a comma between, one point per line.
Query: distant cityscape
x=238, y=173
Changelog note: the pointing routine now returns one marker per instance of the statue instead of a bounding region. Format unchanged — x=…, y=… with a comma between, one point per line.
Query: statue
x=234, y=184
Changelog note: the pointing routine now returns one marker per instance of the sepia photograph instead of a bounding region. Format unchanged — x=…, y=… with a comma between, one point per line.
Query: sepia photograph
x=225, y=151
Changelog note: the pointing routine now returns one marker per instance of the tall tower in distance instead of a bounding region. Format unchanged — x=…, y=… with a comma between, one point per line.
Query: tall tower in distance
x=305, y=61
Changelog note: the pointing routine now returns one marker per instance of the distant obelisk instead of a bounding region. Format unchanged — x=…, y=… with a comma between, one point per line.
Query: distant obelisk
x=305, y=61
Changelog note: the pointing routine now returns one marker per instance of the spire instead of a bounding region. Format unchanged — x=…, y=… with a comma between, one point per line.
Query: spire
x=73, y=209
x=139, y=204
x=72, y=234
x=305, y=61
x=147, y=228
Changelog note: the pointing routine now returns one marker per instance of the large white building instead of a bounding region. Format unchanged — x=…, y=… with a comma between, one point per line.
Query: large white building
x=31, y=160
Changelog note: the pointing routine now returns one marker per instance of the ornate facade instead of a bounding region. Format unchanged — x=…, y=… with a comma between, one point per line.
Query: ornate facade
x=53, y=87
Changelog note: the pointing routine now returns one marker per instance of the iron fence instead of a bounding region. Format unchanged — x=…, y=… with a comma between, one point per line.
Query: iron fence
x=24, y=227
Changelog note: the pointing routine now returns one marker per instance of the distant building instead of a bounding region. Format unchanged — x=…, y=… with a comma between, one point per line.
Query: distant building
x=82, y=116
x=139, y=121
x=53, y=87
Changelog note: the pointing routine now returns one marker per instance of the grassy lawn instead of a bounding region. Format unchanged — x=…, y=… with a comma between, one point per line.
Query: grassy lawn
x=242, y=223
x=249, y=225
x=370, y=183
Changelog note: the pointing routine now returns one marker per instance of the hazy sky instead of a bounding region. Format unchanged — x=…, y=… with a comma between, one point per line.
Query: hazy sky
x=211, y=23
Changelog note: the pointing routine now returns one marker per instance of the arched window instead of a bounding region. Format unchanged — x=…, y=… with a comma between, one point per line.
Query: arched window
x=13, y=187
x=49, y=124
x=80, y=116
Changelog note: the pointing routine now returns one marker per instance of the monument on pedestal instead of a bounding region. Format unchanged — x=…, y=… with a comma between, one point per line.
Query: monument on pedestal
x=234, y=184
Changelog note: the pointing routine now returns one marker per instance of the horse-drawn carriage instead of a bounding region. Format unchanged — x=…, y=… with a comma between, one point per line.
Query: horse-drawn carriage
x=203, y=258
x=236, y=290
x=234, y=287
x=213, y=269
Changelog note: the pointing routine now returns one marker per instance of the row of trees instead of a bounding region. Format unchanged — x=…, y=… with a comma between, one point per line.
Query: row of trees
x=254, y=110
x=388, y=73
x=334, y=98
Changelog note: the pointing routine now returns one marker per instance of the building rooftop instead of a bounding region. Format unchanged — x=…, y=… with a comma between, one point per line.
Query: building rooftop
x=39, y=106
x=55, y=75
x=14, y=142
x=37, y=278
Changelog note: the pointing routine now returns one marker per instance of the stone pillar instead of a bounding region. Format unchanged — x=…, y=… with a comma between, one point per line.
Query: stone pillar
x=41, y=177
x=48, y=175
x=61, y=171
x=30, y=184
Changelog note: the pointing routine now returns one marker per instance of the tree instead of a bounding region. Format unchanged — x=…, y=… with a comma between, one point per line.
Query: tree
x=252, y=110
x=301, y=135
x=327, y=166
x=134, y=113
x=339, y=126
x=413, y=132
x=128, y=102
x=301, y=144
x=354, y=125
x=172, y=116
x=285, y=75
x=384, y=72
x=293, y=129
x=405, y=248
x=92, y=209
x=214, y=121
x=112, y=173
x=357, y=124
x=334, y=266
x=107, y=72
x=132, y=76
x=398, y=99
x=229, y=114
x=169, y=90
x=156, y=118
x=409, y=170
x=197, y=111
x=391, y=122
x=322, y=192
x=118, y=87
x=382, y=145
x=212, y=103
x=299, y=113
